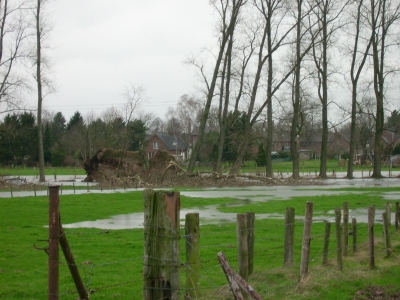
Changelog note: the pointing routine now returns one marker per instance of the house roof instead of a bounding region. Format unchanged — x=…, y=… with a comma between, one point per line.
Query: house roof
x=173, y=142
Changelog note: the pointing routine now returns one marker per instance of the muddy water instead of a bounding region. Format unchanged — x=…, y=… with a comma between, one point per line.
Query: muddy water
x=210, y=214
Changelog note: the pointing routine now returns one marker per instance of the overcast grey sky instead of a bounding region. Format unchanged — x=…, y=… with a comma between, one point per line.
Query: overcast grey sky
x=99, y=46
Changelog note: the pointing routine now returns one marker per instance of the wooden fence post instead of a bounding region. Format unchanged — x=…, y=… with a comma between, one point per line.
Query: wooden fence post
x=54, y=233
x=161, y=245
x=243, y=250
x=250, y=221
x=354, y=229
x=326, y=242
x=338, y=215
x=396, y=218
x=192, y=232
x=305, y=249
x=73, y=268
x=389, y=213
x=289, y=237
x=345, y=228
x=386, y=233
x=371, y=221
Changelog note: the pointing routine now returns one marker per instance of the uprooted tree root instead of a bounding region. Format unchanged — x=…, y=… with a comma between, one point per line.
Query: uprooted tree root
x=130, y=169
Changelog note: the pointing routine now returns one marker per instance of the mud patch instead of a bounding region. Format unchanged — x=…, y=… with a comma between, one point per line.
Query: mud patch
x=378, y=293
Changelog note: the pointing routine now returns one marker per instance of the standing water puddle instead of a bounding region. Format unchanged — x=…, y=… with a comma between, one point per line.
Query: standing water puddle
x=211, y=215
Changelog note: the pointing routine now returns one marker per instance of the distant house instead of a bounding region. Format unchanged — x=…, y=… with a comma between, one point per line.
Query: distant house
x=174, y=145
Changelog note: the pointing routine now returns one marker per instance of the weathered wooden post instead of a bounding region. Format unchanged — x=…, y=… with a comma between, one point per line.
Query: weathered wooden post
x=371, y=221
x=192, y=232
x=289, y=237
x=243, y=249
x=54, y=233
x=345, y=227
x=305, y=248
x=396, y=216
x=161, y=245
x=250, y=220
x=389, y=213
x=73, y=268
x=386, y=233
x=354, y=225
x=338, y=216
x=326, y=242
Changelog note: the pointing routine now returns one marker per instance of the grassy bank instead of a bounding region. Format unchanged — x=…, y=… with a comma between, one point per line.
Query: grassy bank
x=111, y=261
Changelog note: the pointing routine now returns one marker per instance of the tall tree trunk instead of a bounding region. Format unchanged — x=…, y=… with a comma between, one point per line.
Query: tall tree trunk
x=226, y=77
x=40, y=96
x=355, y=75
x=294, y=132
x=350, y=167
x=268, y=145
x=378, y=56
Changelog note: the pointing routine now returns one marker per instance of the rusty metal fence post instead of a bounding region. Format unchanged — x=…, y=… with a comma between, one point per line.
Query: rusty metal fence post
x=54, y=233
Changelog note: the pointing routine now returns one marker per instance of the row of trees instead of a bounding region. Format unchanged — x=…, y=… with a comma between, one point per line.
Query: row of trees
x=284, y=58
x=70, y=142
x=275, y=69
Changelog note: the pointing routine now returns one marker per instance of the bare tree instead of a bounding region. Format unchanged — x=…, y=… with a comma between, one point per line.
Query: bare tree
x=14, y=33
x=229, y=11
x=274, y=36
x=328, y=17
x=302, y=47
x=384, y=15
x=187, y=109
x=44, y=83
x=134, y=95
x=358, y=59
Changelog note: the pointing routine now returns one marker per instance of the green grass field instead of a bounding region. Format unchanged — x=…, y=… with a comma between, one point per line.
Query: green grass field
x=49, y=171
x=111, y=261
x=306, y=166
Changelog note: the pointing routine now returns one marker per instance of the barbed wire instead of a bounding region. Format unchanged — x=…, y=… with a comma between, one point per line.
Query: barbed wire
x=209, y=273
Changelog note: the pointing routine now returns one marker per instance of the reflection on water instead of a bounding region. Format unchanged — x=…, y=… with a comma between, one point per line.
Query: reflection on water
x=210, y=214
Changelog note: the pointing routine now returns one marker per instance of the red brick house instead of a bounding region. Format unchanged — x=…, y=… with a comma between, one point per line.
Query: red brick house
x=174, y=145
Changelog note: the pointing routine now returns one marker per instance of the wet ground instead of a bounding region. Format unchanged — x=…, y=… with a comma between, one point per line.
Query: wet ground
x=210, y=214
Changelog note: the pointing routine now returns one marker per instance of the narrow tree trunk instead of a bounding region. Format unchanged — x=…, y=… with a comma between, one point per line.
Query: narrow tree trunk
x=40, y=96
